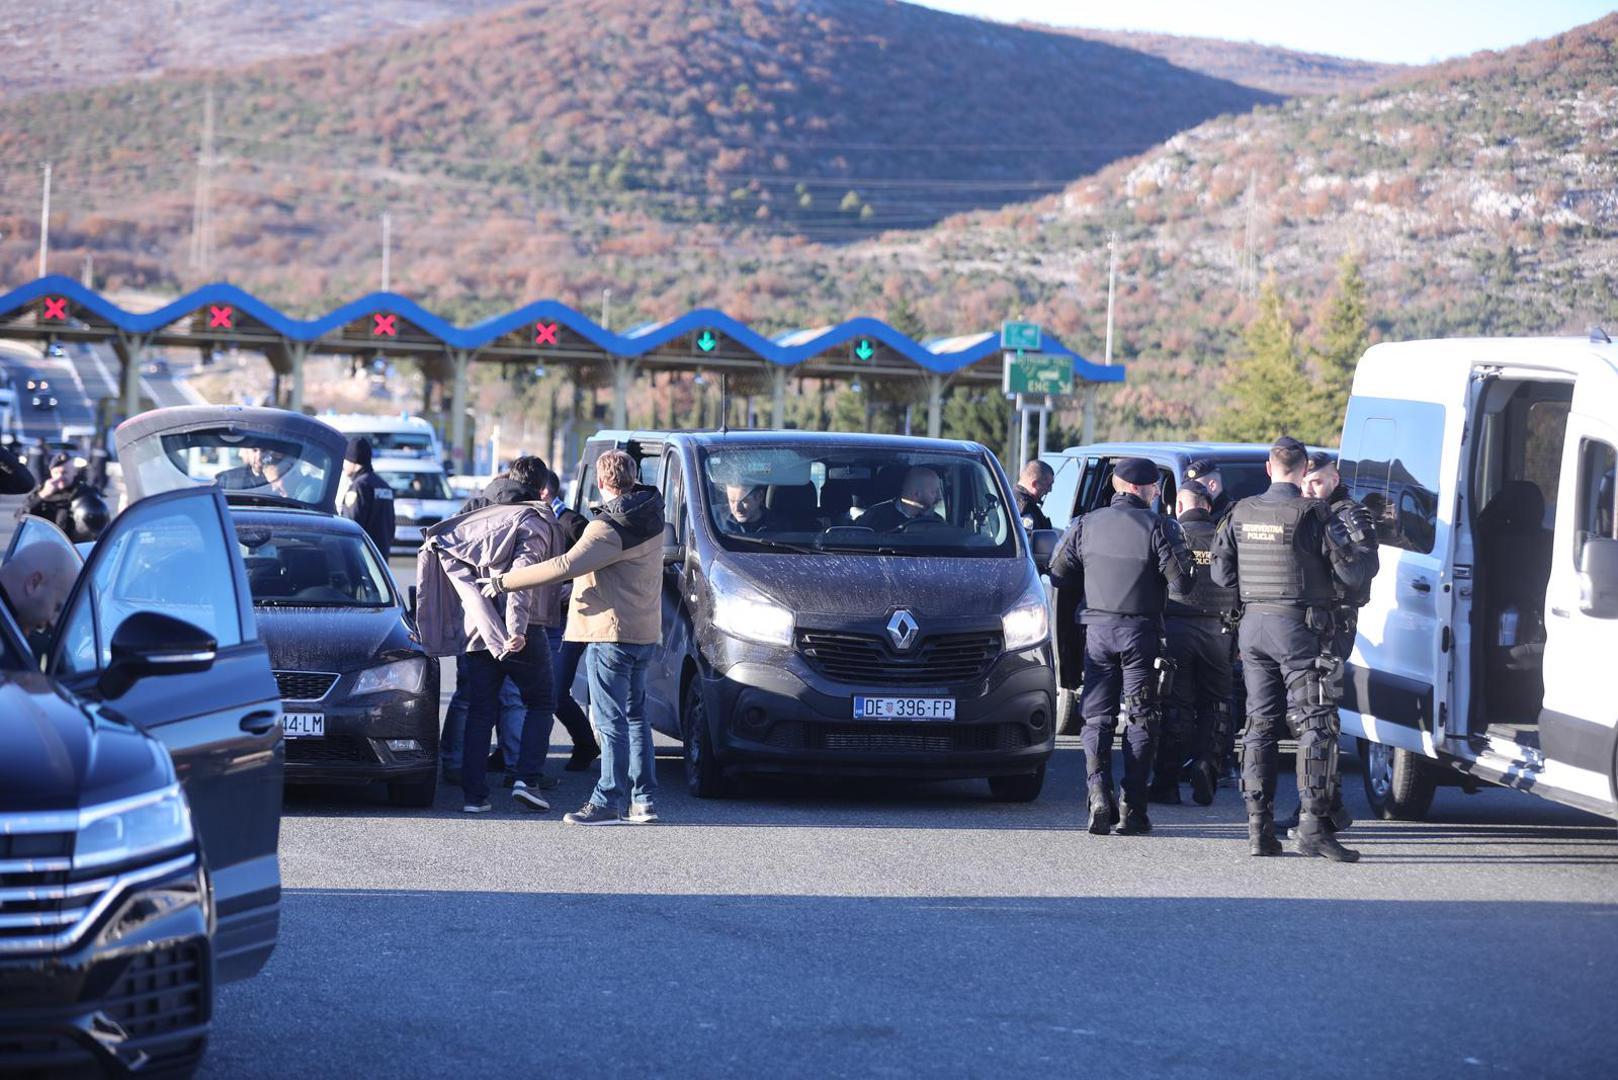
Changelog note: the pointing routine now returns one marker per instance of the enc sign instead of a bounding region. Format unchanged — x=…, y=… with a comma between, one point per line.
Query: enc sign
x=1037, y=374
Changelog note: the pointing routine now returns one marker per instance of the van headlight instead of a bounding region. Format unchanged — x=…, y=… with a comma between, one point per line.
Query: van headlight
x=742, y=611
x=1028, y=623
x=128, y=829
x=403, y=675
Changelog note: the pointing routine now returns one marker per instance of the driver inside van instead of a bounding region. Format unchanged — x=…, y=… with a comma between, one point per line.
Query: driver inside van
x=919, y=497
x=34, y=584
x=746, y=514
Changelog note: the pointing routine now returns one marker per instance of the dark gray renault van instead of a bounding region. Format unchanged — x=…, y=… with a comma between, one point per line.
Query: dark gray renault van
x=844, y=604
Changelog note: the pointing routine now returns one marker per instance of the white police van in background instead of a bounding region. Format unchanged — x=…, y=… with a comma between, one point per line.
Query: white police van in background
x=402, y=436
x=1482, y=654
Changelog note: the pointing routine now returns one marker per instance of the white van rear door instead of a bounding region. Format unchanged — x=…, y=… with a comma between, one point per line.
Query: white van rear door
x=1577, y=721
x=1401, y=457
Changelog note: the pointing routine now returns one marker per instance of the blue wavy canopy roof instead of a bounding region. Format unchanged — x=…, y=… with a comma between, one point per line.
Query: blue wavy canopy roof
x=944, y=356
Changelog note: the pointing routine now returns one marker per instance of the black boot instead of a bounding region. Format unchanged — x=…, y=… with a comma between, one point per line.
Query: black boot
x=1135, y=822
x=1261, y=839
x=1340, y=818
x=1103, y=812
x=1204, y=782
x=1165, y=791
x=1313, y=837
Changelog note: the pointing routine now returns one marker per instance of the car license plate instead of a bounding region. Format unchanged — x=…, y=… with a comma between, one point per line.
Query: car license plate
x=904, y=708
x=303, y=725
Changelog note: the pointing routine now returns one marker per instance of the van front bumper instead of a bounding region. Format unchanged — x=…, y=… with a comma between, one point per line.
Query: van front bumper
x=784, y=717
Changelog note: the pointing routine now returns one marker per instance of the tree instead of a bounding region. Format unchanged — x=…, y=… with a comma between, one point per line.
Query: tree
x=1267, y=393
x=1343, y=341
x=978, y=415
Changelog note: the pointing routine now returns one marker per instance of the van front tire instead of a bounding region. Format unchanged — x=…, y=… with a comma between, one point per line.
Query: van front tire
x=1023, y=787
x=1068, y=721
x=703, y=776
x=1399, y=785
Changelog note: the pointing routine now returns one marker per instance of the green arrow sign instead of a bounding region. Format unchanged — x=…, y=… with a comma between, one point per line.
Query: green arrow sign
x=707, y=341
x=865, y=350
x=1020, y=335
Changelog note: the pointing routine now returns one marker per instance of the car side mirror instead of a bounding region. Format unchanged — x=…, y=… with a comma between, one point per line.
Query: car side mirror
x=1598, y=578
x=151, y=643
x=1042, y=543
x=673, y=550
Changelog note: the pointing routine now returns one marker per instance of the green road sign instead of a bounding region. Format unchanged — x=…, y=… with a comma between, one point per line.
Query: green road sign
x=1020, y=335
x=865, y=350
x=706, y=341
x=1037, y=374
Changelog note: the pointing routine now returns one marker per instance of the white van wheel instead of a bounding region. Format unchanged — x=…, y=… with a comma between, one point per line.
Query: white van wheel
x=1399, y=785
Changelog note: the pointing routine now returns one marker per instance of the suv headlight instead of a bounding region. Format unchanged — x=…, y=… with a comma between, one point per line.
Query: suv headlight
x=406, y=675
x=742, y=611
x=127, y=829
x=1028, y=623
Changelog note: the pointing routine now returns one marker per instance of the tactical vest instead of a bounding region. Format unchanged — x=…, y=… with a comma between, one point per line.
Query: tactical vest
x=1121, y=573
x=1205, y=596
x=1273, y=569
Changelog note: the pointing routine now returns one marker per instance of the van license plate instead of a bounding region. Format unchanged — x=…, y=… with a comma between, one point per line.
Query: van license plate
x=303, y=725
x=904, y=708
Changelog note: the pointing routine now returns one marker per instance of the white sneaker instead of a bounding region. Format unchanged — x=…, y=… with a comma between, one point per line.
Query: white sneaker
x=528, y=797
x=641, y=813
x=477, y=808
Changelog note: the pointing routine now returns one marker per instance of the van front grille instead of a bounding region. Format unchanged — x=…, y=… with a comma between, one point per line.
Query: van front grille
x=868, y=660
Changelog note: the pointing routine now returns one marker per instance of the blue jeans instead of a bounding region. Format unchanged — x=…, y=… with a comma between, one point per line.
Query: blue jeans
x=512, y=714
x=565, y=656
x=530, y=670
x=618, y=699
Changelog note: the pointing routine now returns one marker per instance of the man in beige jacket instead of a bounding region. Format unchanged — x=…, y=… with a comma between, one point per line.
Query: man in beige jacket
x=617, y=571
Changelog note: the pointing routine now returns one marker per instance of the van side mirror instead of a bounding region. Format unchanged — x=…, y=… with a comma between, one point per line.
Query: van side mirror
x=151, y=643
x=1598, y=578
x=673, y=550
x=1042, y=543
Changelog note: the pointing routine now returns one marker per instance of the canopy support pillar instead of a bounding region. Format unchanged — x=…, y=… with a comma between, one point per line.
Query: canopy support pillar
x=460, y=360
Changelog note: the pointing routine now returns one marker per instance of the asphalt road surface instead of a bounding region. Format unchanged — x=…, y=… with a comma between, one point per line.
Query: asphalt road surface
x=78, y=380
x=824, y=929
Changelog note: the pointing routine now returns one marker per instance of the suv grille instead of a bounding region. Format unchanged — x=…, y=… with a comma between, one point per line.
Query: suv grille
x=939, y=660
x=159, y=992
x=304, y=685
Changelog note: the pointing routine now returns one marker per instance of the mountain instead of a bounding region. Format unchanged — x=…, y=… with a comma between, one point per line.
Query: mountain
x=1263, y=67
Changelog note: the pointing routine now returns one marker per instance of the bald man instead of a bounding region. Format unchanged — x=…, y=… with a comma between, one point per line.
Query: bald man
x=1032, y=486
x=34, y=584
x=919, y=497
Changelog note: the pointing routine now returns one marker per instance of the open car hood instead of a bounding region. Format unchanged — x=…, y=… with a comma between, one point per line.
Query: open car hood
x=254, y=454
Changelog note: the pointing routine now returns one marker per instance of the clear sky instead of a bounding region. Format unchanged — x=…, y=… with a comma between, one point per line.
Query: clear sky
x=1400, y=31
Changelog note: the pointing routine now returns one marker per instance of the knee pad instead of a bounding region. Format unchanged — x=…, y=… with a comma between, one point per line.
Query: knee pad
x=1317, y=747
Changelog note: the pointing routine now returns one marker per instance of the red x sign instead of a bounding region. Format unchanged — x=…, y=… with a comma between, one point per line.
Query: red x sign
x=56, y=307
x=545, y=333
x=385, y=326
x=219, y=316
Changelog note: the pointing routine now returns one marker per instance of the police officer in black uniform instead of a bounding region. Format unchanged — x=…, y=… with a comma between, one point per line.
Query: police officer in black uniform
x=1196, y=713
x=1205, y=471
x=1324, y=482
x=1124, y=557
x=1285, y=555
x=368, y=499
x=1033, y=484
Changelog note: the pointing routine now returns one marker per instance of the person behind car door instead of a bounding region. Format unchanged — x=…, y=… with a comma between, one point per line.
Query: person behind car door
x=617, y=570
x=1124, y=557
x=369, y=499
x=1196, y=712
x=34, y=583
x=1285, y=554
x=1324, y=482
x=1032, y=486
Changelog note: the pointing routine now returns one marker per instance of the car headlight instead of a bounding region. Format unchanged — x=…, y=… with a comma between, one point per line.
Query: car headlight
x=742, y=611
x=119, y=831
x=1028, y=623
x=406, y=675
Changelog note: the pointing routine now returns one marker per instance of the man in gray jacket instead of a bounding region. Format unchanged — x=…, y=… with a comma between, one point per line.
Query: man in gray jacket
x=617, y=571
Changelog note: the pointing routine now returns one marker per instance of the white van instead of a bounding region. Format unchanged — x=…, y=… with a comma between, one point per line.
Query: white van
x=1482, y=655
x=421, y=496
x=392, y=436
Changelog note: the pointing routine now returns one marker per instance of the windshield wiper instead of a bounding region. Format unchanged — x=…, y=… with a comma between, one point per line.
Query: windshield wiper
x=773, y=545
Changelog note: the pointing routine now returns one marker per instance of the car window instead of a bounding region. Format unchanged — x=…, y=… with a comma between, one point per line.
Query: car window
x=814, y=497
x=650, y=471
x=416, y=485
x=674, y=499
x=292, y=566
x=1395, y=476
x=1598, y=471
x=168, y=558
x=1064, y=486
x=400, y=443
x=36, y=530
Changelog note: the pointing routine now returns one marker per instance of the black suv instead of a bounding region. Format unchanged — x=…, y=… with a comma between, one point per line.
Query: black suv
x=140, y=797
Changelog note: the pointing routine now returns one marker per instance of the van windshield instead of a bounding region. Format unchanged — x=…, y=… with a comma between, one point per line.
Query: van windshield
x=812, y=499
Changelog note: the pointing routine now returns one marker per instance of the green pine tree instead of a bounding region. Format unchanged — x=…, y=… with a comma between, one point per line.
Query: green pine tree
x=1267, y=392
x=1346, y=335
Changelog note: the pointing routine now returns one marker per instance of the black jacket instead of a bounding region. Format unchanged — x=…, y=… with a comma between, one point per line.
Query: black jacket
x=1358, y=524
x=1125, y=558
x=57, y=507
x=1205, y=598
x=15, y=479
x=1029, y=509
x=369, y=501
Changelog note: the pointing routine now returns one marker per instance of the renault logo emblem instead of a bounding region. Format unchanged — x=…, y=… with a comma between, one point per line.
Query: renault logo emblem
x=902, y=629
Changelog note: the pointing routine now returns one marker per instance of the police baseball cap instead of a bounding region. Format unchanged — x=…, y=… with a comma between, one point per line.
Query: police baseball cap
x=1136, y=470
x=61, y=457
x=1201, y=467
x=1320, y=459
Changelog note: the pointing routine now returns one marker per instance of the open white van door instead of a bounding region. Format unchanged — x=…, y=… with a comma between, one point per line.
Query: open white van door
x=1401, y=458
x=1579, y=720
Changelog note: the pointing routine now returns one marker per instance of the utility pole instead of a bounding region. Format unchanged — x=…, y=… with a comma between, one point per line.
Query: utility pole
x=202, y=208
x=1248, y=277
x=387, y=247
x=45, y=221
x=1112, y=292
x=606, y=309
